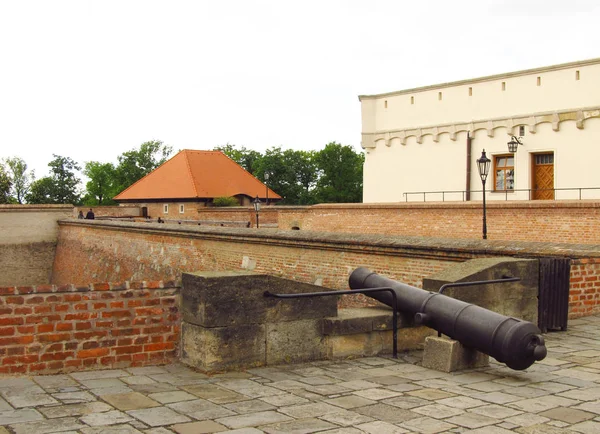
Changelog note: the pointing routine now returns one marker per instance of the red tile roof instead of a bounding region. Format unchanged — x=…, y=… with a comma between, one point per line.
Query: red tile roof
x=196, y=174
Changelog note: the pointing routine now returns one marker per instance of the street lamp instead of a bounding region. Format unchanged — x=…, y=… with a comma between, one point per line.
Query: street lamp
x=256, y=204
x=267, y=187
x=483, y=164
x=514, y=144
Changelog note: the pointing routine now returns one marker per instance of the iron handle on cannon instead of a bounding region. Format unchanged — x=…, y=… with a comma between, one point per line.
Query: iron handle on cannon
x=512, y=341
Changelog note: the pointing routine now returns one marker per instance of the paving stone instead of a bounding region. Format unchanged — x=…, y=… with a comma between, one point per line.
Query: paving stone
x=379, y=427
x=568, y=414
x=54, y=381
x=346, y=430
x=592, y=407
x=111, y=390
x=253, y=420
x=542, y=429
x=407, y=402
x=253, y=405
x=15, y=382
x=130, y=401
x=102, y=383
x=159, y=430
x=74, y=397
x=496, y=411
x=300, y=426
x=535, y=405
x=587, y=394
x=403, y=387
x=47, y=426
x=388, y=380
x=588, y=427
x=496, y=397
x=260, y=391
x=52, y=412
x=93, y=375
x=527, y=419
x=318, y=380
x=112, y=417
x=471, y=420
x=438, y=411
x=327, y=389
x=578, y=373
x=284, y=400
x=346, y=418
x=361, y=384
x=376, y=394
x=170, y=397
x=137, y=379
x=245, y=431
x=19, y=416
x=146, y=370
x=308, y=410
x=200, y=409
x=431, y=394
x=114, y=429
x=491, y=430
x=4, y=405
x=386, y=413
x=159, y=416
x=463, y=402
x=153, y=388
x=5, y=431
x=206, y=426
x=288, y=385
x=350, y=401
x=427, y=425
x=213, y=393
x=20, y=400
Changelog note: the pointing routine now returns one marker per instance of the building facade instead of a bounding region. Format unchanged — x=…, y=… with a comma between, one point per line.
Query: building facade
x=423, y=143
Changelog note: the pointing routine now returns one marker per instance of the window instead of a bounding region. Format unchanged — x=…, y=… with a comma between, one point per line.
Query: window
x=166, y=208
x=440, y=96
x=576, y=75
x=504, y=173
x=385, y=104
x=470, y=91
x=181, y=208
x=539, y=81
x=412, y=99
x=504, y=85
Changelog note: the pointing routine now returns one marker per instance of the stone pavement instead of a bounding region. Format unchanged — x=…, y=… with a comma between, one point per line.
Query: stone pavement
x=376, y=395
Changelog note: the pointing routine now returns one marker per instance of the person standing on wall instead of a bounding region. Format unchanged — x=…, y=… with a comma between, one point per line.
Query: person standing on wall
x=90, y=215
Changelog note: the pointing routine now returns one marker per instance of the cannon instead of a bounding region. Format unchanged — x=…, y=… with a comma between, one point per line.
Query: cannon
x=512, y=341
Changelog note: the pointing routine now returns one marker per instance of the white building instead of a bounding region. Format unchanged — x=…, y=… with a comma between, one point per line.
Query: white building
x=416, y=140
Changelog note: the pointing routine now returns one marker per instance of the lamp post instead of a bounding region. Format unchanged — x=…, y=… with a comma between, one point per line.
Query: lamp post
x=267, y=187
x=483, y=164
x=256, y=204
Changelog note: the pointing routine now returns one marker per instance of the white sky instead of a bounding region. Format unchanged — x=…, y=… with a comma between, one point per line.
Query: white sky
x=91, y=79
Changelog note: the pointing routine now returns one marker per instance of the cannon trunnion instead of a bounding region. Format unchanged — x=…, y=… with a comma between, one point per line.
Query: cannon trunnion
x=512, y=341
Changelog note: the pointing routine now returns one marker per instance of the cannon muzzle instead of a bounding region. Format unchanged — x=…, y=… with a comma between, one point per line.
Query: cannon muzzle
x=512, y=341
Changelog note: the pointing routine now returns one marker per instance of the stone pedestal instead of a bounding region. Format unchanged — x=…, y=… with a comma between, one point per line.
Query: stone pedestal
x=448, y=355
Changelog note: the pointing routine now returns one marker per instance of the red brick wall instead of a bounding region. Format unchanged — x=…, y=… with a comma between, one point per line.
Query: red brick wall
x=584, y=296
x=545, y=221
x=119, y=251
x=49, y=329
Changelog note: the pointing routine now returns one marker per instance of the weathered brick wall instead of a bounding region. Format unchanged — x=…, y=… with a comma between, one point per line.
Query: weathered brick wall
x=118, y=251
x=544, y=221
x=109, y=211
x=28, y=235
x=48, y=329
x=584, y=296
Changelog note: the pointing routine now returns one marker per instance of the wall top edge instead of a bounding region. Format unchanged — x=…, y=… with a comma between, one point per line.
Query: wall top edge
x=449, y=248
x=16, y=207
x=510, y=204
x=558, y=67
x=92, y=287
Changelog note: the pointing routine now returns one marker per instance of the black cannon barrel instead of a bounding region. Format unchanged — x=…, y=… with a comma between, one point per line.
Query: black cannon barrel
x=512, y=341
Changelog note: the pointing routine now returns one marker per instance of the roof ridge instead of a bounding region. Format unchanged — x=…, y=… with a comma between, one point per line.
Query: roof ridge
x=187, y=163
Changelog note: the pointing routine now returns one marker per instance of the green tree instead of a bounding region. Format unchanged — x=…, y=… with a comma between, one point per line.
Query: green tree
x=248, y=159
x=341, y=174
x=101, y=186
x=60, y=187
x=21, y=179
x=5, y=186
x=137, y=163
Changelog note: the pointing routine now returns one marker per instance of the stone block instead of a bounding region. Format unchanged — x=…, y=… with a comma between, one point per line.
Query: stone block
x=295, y=341
x=363, y=320
x=448, y=355
x=232, y=298
x=514, y=299
x=223, y=348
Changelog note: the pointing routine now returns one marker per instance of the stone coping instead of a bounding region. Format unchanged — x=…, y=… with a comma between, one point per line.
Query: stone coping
x=448, y=248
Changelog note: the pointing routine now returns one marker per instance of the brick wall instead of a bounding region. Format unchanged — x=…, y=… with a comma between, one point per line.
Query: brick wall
x=584, y=295
x=118, y=251
x=544, y=221
x=48, y=329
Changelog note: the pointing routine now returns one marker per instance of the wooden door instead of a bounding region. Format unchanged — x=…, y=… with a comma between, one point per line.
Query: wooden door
x=543, y=176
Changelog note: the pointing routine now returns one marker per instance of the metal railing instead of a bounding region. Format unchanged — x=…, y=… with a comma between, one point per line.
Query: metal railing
x=507, y=193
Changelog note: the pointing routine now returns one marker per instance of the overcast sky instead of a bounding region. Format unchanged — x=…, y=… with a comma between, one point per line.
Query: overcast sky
x=91, y=79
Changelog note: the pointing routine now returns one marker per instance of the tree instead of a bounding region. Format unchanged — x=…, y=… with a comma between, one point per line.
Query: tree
x=5, y=186
x=21, y=179
x=135, y=164
x=341, y=172
x=248, y=159
x=60, y=187
x=101, y=186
